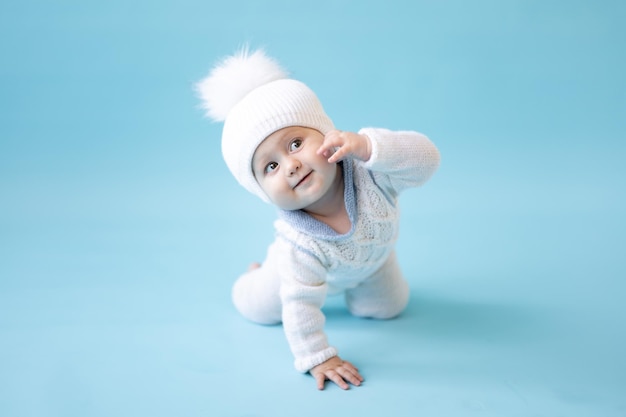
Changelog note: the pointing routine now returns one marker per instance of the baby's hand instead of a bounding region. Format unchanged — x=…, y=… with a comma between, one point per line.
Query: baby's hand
x=339, y=145
x=338, y=371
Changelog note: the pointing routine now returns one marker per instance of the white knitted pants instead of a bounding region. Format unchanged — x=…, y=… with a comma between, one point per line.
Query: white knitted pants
x=383, y=295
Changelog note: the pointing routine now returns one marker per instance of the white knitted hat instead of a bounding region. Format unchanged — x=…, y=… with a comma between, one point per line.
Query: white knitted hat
x=252, y=95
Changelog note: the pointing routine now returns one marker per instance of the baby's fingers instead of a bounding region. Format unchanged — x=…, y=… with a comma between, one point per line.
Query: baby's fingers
x=331, y=142
x=337, y=379
x=326, y=153
x=352, y=377
x=320, y=378
x=351, y=367
x=338, y=155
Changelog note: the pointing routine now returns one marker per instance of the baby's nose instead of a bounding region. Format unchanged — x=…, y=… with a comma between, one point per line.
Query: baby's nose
x=293, y=166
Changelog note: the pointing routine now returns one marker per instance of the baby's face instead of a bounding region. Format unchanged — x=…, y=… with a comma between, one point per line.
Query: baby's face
x=289, y=170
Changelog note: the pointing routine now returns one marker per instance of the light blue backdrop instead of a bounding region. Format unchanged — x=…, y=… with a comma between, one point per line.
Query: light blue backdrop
x=121, y=230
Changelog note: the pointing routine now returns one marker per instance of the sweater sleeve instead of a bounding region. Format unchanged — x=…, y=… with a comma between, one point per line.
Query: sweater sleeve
x=401, y=159
x=303, y=292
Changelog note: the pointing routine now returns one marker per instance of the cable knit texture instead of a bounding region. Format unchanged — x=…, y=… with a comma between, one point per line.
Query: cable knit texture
x=311, y=260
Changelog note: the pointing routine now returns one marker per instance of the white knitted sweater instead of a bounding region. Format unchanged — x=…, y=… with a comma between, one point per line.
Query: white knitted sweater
x=313, y=260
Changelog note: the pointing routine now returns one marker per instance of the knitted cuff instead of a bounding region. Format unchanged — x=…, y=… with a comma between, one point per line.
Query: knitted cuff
x=305, y=364
x=373, y=136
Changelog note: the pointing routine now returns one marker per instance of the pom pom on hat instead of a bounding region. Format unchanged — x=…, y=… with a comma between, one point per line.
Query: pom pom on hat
x=251, y=93
x=233, y=78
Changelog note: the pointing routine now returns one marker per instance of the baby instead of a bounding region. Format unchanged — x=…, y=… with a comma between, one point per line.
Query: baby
x=337, y=199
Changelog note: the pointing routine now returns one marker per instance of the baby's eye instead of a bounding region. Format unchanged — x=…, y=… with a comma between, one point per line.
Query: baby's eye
x=270, y=167
x=295, y=144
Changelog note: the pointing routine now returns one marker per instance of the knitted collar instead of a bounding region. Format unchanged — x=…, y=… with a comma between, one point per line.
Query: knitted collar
x=307, y=224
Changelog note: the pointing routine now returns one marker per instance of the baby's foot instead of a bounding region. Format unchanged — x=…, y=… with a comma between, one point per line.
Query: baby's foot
x=253, y=266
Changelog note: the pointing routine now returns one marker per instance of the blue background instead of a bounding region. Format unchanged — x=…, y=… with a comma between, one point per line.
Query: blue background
x=121, y=231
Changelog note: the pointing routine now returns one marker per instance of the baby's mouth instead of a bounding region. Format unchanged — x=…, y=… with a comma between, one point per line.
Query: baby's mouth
x=303, y=179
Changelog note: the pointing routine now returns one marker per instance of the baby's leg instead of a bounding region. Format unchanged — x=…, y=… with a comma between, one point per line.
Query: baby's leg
x=256, y=295
x=384, y=295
